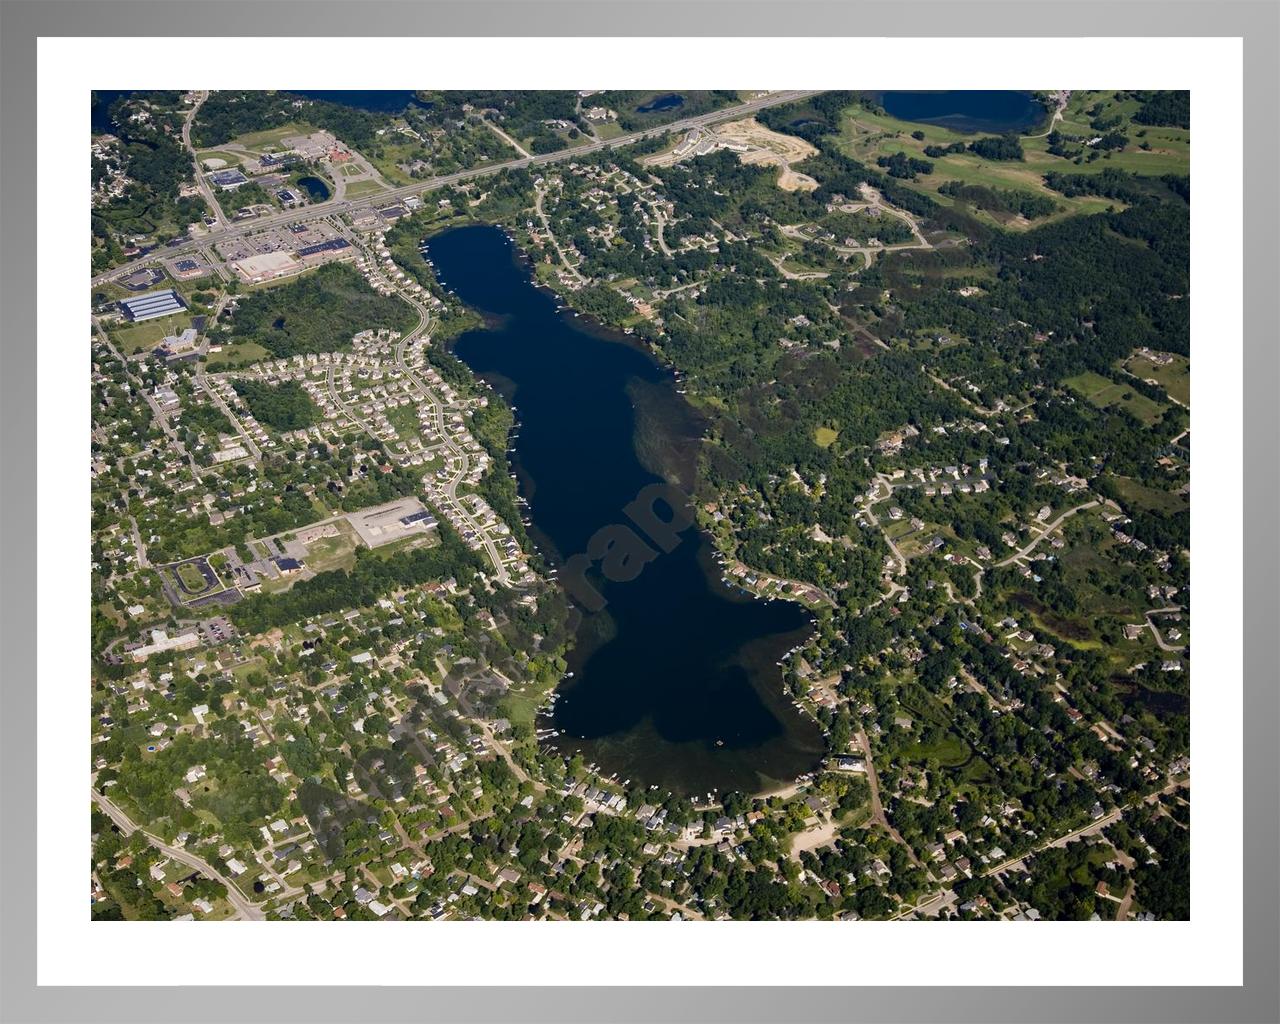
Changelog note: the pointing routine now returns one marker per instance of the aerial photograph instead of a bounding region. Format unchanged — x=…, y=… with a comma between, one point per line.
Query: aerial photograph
x=640, y=505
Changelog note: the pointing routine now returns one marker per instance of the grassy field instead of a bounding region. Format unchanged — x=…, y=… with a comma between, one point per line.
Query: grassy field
x=1170, y=151
x=391, y=155
x=272, y=137
x=1150, y=498
x=133, y=338
x=1106, y=394
x=1174, y=377
x=405, y=420
x=362, y=188
x=241, y=354
x=825, y=437
x=241, y=672
x=948, y=749
x=232, y=159
x=867, y=135
x=608, y=130
x=191, y=578
x=333, y=552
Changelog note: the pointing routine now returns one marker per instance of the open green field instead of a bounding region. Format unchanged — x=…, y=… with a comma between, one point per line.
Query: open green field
x=362, y=188
x=429, y=539
x=134, y=338
x=1170, y=151
x=949, y=751
x=191, y=578
x=931, y=717
x=392, y=154
x=1106, y=394
x=1174, y=376
x=232, y=159
x=1150, y=498
x=272, y=138
x=278, y=586
x=242, y=671
x=241, y=354
x=825, y=437
x=608, y=130
x=405, y=420
x=866, y=135
x=110, y=291
x=333, y=552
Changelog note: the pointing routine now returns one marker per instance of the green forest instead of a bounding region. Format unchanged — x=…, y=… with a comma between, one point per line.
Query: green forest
x=319, y=312
x=284, y=406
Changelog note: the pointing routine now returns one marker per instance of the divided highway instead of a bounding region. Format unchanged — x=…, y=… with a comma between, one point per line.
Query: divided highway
x=418, y=188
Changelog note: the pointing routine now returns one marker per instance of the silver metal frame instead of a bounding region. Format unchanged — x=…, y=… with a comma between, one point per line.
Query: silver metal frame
x=21, y=23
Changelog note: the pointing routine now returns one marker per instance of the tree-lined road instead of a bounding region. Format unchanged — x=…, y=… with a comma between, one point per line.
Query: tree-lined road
x=201, y=182
x=235, y=897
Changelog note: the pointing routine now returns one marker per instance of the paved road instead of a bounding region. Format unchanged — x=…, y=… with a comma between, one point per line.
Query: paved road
x=1048, y=531
x=1122, y=911
x=235, y=897
x=1160, y=640
x=156, y=412
x=205, y=189
x=505, y=137
x=660, y=220
x=1061, y=99
x=1092, y=828
x=877, y=808
x=931, y=907
x=454, y=450
x=391, y=195
x=875, y=202
x=137, y=543
x=255, y=453
x=538, y=195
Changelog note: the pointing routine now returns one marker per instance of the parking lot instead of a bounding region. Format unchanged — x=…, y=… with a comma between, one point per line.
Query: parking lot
x=277, y=239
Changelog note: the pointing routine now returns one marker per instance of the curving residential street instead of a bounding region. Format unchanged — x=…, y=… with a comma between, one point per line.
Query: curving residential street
x=539, y=194
x=1048, y=531
x=244, y=909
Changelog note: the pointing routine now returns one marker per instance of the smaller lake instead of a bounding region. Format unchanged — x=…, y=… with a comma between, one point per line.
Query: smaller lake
x=967, y=110
x=667, y=101
x=100, y=104
x=317, y=188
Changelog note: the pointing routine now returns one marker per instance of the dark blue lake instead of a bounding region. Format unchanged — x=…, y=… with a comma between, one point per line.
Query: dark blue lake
x=675, y=681
x=967, y=110
x=378, y=101
x=317, y=188
x=100, y=103
x=667, y=101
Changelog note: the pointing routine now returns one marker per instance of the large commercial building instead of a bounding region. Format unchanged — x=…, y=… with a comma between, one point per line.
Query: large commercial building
x=227, y=180
x=393, y=521
x=152, y=305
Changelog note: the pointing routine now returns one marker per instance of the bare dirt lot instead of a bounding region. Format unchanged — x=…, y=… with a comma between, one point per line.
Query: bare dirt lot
x=794, y=181
x=767, y=146
x=754, y=144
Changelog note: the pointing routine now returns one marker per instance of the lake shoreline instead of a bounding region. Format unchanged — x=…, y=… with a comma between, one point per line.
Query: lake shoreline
x=678, y=684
